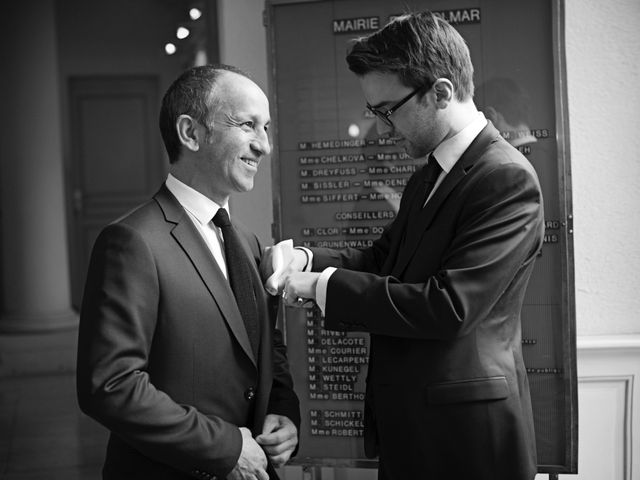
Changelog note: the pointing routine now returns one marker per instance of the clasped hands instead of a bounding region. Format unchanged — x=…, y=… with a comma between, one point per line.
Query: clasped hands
x=277, y=441
x=282, y=268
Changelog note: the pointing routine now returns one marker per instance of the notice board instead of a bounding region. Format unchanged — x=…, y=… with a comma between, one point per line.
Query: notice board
x=336, y=184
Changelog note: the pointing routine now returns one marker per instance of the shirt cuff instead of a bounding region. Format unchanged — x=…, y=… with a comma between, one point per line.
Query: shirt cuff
x=321, y=287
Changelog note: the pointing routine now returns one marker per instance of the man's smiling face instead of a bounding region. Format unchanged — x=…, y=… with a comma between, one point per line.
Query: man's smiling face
x=237, y=138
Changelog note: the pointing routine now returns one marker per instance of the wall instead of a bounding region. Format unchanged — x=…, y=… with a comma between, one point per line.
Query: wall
x=603, y=72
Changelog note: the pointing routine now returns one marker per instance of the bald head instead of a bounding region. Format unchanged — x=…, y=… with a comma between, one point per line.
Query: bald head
x=191, y=94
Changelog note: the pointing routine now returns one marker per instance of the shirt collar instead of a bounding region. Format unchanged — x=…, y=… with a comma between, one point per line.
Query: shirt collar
x=198, y=205
x=450, y=151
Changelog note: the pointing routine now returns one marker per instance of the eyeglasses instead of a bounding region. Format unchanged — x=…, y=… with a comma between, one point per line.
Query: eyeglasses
x=384, y=115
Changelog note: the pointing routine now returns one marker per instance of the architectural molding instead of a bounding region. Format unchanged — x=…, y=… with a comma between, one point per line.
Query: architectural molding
x=609, y=406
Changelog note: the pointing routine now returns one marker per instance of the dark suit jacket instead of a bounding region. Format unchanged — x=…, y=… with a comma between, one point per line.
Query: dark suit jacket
x=164, y=360
x=441, y=293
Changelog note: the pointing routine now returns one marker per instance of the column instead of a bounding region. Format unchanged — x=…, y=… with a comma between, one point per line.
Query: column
x=35, y=281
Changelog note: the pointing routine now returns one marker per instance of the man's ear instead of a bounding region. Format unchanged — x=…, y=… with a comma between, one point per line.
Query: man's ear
x=188, y=133
x=443, y=89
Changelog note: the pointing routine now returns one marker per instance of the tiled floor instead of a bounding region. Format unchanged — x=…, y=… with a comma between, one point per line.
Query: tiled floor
x=43, y=434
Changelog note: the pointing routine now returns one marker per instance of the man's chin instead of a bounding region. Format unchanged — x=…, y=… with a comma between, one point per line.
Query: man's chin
x=415, y=153
x=245, y=186
x=410, y=151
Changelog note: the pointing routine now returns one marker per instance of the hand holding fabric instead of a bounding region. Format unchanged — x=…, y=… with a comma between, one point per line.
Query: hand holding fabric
x=300, y=289
x=278, y=262
x=279, y=438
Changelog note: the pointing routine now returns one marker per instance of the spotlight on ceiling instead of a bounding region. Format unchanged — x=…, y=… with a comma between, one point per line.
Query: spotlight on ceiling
x=182, y=33
x=195, y=13
x=170, y=48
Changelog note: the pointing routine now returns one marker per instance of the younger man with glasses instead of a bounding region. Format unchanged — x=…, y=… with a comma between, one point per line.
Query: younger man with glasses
x=441, y=290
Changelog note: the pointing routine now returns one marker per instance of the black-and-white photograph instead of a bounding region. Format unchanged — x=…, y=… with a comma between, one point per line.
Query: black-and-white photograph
x=320, y=240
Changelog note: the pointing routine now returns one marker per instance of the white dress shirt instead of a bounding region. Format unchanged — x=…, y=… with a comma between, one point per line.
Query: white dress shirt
x=447, y=155
x=201, y=210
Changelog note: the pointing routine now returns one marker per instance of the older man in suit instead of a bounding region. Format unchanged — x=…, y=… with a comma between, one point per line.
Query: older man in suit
x=178, y=355
x=441, y=290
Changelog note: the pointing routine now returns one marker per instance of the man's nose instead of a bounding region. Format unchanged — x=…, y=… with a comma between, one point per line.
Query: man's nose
x=261, y=144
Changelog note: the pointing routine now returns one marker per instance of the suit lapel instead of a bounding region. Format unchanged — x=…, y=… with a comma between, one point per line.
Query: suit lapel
x=190, y=240
x=400, y=224
x=421, y=218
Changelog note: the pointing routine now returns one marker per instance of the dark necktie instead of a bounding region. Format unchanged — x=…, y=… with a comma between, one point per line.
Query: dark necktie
x=431, y=173
x=239, y=273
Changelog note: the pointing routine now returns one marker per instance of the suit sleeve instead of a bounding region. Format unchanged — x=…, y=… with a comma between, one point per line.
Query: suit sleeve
x=499, y=232
x=371, y=259
x=117, y=323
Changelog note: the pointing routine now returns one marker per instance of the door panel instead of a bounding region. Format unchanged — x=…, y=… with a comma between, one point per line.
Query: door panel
x=116, y=159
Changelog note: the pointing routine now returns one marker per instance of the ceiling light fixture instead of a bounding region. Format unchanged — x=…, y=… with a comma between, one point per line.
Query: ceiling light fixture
x=182, y=33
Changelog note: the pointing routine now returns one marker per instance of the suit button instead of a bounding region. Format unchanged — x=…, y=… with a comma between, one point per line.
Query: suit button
x=250, y=393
